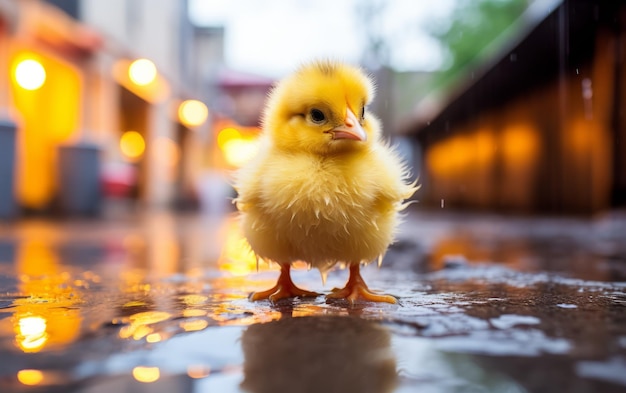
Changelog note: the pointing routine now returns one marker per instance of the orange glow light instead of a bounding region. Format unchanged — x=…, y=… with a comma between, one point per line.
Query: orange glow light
x=46, y=93
x=146, y=374
x=192, y=312
x=132, y=145
x=142, y=72
x=154, y=338
x=30, y=74
x=193, y=113
x=30, y=377
x=32, y=333
x=194, y=325
x=226, y=135
x=149, y=317
x=239, y=151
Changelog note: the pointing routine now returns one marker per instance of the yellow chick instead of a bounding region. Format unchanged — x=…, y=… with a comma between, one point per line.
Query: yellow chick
x=324, y=188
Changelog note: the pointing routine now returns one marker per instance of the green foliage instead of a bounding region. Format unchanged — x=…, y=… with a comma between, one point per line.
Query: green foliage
x=473, y=26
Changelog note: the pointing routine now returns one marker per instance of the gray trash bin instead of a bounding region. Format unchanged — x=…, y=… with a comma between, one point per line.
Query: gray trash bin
x=80, y=192
x=8, y=205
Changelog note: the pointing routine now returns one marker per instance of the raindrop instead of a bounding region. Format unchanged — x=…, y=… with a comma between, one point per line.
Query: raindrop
x=442, y=203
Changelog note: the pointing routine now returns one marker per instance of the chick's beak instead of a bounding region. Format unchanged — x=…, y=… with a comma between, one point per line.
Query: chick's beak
x=350, y=129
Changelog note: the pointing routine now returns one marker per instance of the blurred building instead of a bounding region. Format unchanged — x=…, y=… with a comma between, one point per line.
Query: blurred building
x=539, y=127
x=71, y=83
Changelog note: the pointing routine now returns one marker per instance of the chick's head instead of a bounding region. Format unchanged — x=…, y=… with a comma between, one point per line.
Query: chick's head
x=321, y=109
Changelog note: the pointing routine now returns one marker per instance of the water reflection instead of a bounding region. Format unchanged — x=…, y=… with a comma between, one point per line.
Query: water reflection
x=31, y=333
x=30, y=377
x=318, y=354
x=105, y=298
x=48, y=313
x=146, y=374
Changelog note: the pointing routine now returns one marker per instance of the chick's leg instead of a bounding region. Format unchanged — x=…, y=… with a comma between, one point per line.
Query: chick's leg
x=356, y=289
x=284, y=288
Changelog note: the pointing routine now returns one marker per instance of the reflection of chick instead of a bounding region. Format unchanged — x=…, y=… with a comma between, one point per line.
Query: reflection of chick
x=318, y=354
x=324, y=188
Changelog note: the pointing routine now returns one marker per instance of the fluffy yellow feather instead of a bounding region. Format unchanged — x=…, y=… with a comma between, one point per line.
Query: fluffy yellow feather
x=324, y=187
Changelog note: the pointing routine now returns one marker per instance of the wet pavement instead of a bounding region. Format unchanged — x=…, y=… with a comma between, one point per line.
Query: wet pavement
x=158, y=302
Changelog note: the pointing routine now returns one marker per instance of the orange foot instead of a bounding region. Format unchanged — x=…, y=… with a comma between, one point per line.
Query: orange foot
x=356, y=289
x=284, y=288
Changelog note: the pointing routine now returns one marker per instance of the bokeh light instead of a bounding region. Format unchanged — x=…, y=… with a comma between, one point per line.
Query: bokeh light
x=142, y=72
x=193, y=113
x=30, y=74
x=132, y=145
x=226, y=135
x=146, y=374
x=30, y=377
x=236, y=147
x=32, y=333
x=239, y=151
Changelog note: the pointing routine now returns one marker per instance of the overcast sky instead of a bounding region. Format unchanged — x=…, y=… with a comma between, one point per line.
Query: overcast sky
x=272, y=37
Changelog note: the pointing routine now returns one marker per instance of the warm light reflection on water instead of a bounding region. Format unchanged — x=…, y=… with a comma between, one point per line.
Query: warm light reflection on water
x=237, y=258
x=194, y=325
x=160, y=281
x=146, y=304
x=47, y=313
x=146, y=374
x=30, y=377
x=140, y=324
x=32, y=333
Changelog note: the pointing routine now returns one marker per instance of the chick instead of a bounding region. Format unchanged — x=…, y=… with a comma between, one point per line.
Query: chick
x=324, y=188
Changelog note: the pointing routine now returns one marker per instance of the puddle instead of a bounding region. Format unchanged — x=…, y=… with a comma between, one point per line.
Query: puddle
x=161, y=306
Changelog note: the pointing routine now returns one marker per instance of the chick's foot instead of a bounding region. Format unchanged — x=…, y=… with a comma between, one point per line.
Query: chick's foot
x=356, y=289
x=284, y=288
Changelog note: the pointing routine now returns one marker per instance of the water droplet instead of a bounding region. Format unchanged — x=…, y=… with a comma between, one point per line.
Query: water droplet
x=442, y=203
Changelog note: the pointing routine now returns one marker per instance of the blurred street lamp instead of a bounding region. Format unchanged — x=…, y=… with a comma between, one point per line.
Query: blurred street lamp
x=193, y=113
x=142, y=72
x=237, y=147
x=30, y=74
x=132, y=145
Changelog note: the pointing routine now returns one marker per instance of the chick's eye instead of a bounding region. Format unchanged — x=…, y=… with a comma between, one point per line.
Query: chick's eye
x=317, y=116
x=362, y=113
